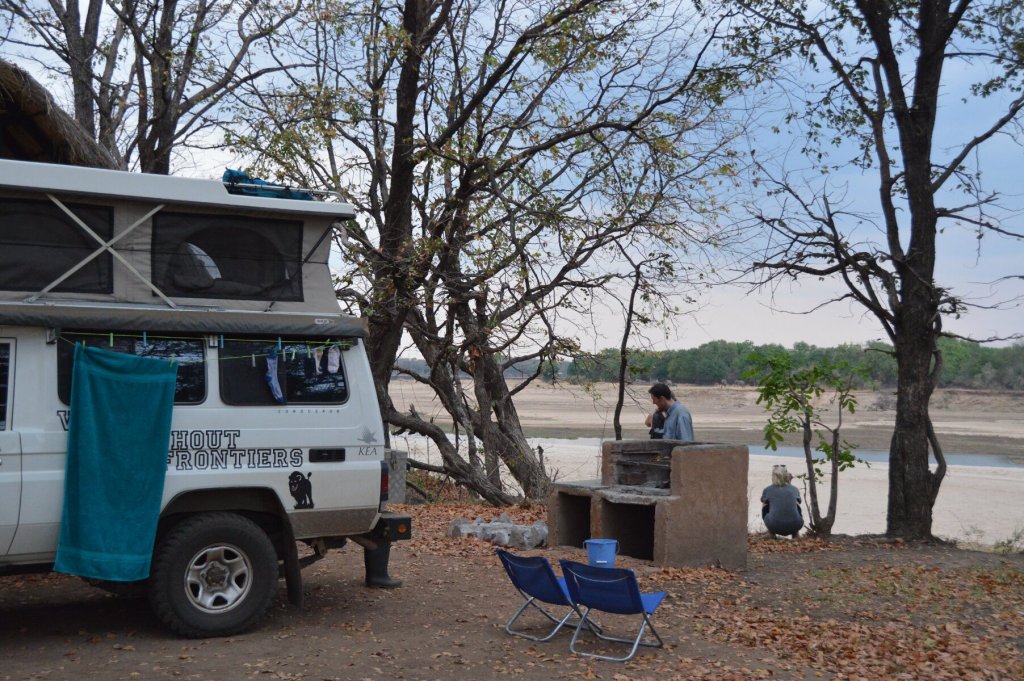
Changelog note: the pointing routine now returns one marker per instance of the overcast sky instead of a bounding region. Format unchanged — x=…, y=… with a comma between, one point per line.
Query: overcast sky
x=969, y=267
x=987, y=272
x=737, y=313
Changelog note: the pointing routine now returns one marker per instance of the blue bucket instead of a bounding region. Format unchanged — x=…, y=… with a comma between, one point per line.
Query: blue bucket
x=601, y=552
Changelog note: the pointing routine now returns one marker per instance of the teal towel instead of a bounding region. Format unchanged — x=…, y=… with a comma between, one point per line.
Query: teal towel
x=118, y=438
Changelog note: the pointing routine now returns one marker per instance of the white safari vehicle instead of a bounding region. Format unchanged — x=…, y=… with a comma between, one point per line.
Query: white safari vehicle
x=276, y=435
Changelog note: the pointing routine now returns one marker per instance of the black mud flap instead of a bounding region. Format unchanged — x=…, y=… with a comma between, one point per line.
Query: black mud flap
x=292, y=568
x=392, y=527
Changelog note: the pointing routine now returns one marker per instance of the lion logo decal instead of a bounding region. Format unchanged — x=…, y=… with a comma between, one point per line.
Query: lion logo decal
x=301, y=489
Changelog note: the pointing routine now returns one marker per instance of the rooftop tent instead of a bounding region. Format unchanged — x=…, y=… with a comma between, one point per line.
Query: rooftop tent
x=102, y=235
x=39, y=242
x=205, y=321
x=214, y=256
x=169, y=190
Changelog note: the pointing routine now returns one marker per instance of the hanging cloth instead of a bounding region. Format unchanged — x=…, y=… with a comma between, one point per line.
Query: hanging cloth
x=333, y=359
x=118, y=437
x=271, y=378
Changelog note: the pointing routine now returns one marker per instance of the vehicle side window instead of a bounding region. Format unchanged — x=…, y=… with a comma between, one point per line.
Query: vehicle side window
x=5, y=372
x=187, y=352
x=268, y=372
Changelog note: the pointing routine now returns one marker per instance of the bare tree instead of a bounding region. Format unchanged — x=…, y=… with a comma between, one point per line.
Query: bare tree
x=146, y=75
x=649, y=301
x=884, y=64
x=500, y=151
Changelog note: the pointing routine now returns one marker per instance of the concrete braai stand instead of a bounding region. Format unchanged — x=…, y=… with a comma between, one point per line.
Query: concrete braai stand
x=670, y=502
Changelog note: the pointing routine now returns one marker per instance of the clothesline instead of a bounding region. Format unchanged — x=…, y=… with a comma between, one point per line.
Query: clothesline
x=279, y=343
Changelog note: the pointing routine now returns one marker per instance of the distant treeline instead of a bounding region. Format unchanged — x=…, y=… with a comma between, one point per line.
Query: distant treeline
x=517, y=371
x=965, y=364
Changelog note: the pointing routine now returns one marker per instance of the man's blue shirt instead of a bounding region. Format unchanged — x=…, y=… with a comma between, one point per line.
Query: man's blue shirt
x=678, y=423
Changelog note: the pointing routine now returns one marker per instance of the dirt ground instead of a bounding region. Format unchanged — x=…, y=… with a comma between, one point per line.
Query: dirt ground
x=967, y=421
x=857, y=608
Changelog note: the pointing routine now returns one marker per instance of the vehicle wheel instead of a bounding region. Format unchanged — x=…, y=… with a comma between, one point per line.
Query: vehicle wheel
x=213, y=575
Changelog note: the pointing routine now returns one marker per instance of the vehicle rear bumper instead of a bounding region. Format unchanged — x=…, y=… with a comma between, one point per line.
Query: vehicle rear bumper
x=392, y=527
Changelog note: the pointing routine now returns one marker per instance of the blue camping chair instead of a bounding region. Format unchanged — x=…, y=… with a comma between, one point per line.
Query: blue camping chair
x=533, y=577
x=610, y=590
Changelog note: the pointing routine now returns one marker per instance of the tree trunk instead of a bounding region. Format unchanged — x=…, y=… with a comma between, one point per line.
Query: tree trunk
x=833, y=499
x=910, y=481
x=81, y=49
x=503, y=440
x=812, y=478
x=624, y=349
x=155, y=151
x=454, y=464
x=916, y=325
x=916, y=317
x=391, y=290
x=504, y=435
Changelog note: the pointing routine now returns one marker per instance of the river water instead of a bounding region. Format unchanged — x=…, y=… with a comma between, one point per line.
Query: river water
x=871, y=456
x=980, y=500
x=580, y=445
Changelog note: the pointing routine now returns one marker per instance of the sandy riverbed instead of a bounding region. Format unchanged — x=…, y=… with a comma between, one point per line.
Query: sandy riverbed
x=967, y=421
x=976, y=503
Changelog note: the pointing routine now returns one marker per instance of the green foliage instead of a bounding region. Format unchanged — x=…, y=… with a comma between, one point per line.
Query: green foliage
x=965, y=364
x=795, y=398
x=1012, y=544
x=792, y=395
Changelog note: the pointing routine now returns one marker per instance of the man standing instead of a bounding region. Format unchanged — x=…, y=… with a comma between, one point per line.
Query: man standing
x=678, y=422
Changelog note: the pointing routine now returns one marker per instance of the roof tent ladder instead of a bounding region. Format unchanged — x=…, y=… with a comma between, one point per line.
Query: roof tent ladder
x=104, y=246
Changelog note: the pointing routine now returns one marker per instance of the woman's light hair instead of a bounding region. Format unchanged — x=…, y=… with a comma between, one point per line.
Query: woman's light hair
x=781, y=476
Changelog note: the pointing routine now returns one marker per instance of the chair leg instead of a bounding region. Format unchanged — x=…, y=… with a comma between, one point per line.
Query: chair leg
x=576, y=634
x=650, y=625
x=559, y=623
x=636, y=642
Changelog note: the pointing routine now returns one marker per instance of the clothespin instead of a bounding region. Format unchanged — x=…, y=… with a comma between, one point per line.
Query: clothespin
x=145, y=342
x=279, y=344
x=221, y=341
x=111, y=339
x=254, y=360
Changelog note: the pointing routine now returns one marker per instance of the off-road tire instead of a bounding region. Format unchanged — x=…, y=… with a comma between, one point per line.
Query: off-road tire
x=213, y=575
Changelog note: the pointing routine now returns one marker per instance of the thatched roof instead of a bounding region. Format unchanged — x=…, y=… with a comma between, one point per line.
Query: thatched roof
x=34, y=128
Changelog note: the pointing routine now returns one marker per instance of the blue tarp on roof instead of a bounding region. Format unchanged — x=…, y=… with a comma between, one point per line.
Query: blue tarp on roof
x=240, y=182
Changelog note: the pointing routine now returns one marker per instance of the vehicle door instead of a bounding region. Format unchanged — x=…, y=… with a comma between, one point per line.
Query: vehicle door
x=10, y=450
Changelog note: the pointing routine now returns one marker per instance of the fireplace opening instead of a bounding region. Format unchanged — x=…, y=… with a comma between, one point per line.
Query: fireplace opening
x=632, y=525
x=573, y=520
